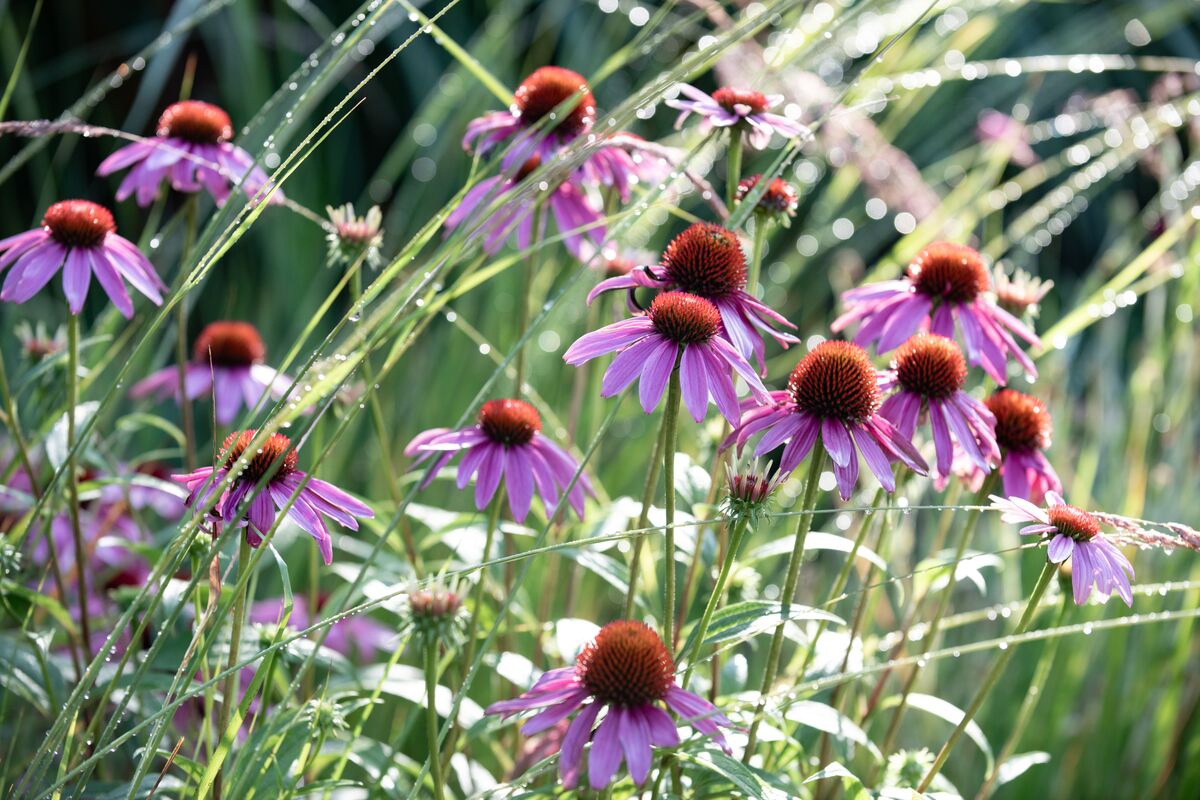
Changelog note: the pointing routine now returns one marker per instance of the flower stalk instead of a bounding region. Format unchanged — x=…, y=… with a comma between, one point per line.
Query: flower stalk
x=670, y=437
x=635, y=559
x=734, y=176
x=230, y=690
x=803, y=526
x=431, y=717
x=992, y=676
x=736, y=536
x=181, y=339
x=73, y=482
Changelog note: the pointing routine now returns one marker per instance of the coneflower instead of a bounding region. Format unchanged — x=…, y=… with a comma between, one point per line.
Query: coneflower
x=707, y=260
x=80, y=237
x=744, y=110
x=947, y=286
x=928, y=372
x=192, y=150
x=276, y=461
x=539, y=95
x=626, y=672
x=505, y=443
x=1072, y=533
x=1023, y=429
x=649, y=345
x=832, y=394
x=227, y=362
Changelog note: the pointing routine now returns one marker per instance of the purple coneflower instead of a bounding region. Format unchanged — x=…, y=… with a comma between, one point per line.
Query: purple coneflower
x=650, y=344
x=737, y=108
x=929, y=372
x=778, y=202
x=227, y=361
x=946, y=284
x=80, y=237
x=707, y=260
x=1075, y=534
x=833, y=394
x=1022, y=431
x=507, y=442
x=567, y=202
x=353, y=237
x=277, y=459
x=628, y=159
x=540, y=94
x=627, y=670
x=192, y=150
x=357, y=637
x=1020, y=294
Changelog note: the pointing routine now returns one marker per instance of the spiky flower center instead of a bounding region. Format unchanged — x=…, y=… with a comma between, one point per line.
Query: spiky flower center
x=1074, y=522
x=229, y=344
x=277, y=450
x=930, y=366
x=779, y=198
x=627, y=665
x=549, y=87
x=750, y=488
x=740, y=101
x=1022, y=421
x=836, y=379
x=509, y=421
x=706, y=260
x=78, y=223
x=196, y=121
x=684, y=318
x=952, y=272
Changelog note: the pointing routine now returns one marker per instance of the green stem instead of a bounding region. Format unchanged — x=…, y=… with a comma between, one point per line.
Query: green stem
x=734, y=164
x=431, y=718
x=943, y=606
x=816, y=461
x=1041, y=674
x=526, y=302
x=181, y=340
x=81, y=559
x=230, y=690
x=714, y=600
x=635, y=560
x=756, y=254
x=671, y=428
x=992, y=676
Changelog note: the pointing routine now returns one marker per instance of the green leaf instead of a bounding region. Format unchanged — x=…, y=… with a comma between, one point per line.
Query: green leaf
x=742, y=777
x=749, y=618
x=826, y=718
x=852, y=787
x=953, y=714
x=1016, y=766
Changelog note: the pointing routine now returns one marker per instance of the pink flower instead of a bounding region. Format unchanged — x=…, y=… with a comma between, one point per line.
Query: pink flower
x=679, y=326
x=227, y=363
x=929, y=372
x=546, y=89
x=707, y=260
x=508, y=443
x=192, y=150
x=582, y=225
x=278, y=460
x=626, y=160
x=737, y=108
x=1075, y=534
x=80, y=237
x=833, y=395
x=1023, y=431
x=946, y=285
x=626, y=672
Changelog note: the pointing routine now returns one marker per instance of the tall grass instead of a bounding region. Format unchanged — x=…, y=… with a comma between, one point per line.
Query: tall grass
x=368, y=104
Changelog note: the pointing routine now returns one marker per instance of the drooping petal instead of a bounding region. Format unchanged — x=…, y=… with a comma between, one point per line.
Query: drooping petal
x=572, y=747
x=635, y=741
x=606, y=749
x=1060, y=549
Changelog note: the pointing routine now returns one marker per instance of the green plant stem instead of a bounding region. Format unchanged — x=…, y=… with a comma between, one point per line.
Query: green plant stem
x=381, y=432
x=927, y=641
x=992, y=676
x=635, y=559
x=181, y=340
x=671, y=426
x=81, y=559
x=843, y=577
x=714, y=600
x=1041, y=673
x=734, y=167
x=477, y=592
x=816, y=460
x=756, y=254
x=230, y=690
x=431, y=718
x=529, y=273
